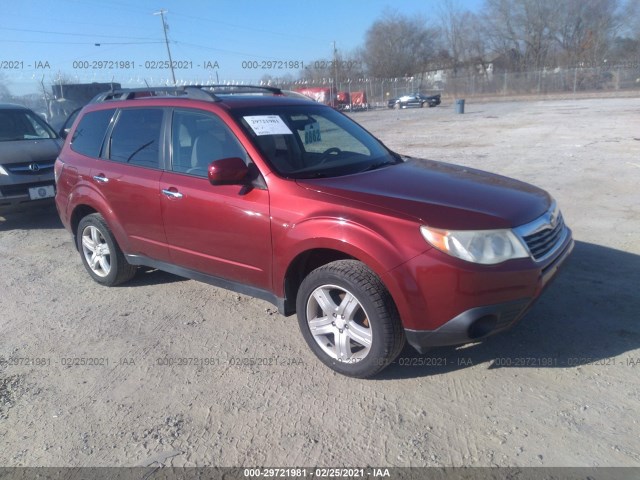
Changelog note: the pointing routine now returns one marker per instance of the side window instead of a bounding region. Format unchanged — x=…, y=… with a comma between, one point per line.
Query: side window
x=135, y=138
x=88, y=137
x=199, y=138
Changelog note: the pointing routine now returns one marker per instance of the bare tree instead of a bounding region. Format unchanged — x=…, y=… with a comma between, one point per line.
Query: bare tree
x=522, y=30
x=5, y=94
x=626, y=45
x=342, y=67
x=631, y=19
x=398, y=46
x=534, y=34
x=452, y=20
x=463, y=36
x=585, y=30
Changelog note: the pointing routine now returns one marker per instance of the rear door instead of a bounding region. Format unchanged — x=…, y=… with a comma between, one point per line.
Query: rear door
x=223, y=231
x=128, y=175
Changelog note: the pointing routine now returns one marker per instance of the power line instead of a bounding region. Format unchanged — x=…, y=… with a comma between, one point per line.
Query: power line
x=92, y=35
x=78, y=43
x=244, y=27
x=222, y=50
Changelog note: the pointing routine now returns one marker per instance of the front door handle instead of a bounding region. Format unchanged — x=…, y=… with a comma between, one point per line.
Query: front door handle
x=100, y=178
x=172, y=193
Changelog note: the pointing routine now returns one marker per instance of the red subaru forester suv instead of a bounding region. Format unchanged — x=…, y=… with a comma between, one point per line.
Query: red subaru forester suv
x=292, y=202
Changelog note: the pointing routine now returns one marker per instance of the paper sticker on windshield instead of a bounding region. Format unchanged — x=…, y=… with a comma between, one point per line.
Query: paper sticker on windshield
x=312, y=133
x=268, y=125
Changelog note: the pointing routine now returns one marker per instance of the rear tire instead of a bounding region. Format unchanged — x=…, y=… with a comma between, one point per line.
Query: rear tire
x=348, y=319
x=101, y=254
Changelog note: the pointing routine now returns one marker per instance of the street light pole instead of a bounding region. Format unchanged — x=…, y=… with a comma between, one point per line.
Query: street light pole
x=166, y=41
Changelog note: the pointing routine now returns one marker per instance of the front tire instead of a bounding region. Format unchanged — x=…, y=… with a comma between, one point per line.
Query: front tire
x=348, y=319
x=100, y=253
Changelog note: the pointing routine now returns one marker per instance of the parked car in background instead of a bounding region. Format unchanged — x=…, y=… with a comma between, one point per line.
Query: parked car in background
x=414, y=100
x=28, y=151
x=293, y=202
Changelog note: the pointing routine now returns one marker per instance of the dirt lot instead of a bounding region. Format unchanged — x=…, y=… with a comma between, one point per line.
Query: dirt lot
x=560, y=389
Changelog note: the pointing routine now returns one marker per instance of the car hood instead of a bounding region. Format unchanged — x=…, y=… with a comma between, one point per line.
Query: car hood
x=24, y=151
x=441, y=195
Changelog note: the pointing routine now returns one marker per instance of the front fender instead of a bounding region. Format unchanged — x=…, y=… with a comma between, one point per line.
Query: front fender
x=372, y=244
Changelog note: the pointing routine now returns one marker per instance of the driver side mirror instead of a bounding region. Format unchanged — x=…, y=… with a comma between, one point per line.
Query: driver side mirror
x=66, y=127
x=64, y=132
x=228, y=171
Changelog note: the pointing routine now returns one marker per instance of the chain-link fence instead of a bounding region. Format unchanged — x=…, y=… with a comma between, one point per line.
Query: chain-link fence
x=560, y=80
x=488, y=83
x=378, y=91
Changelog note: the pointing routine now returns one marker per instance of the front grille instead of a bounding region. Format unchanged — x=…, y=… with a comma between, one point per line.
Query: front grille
x=542, y=241
x=30, y=168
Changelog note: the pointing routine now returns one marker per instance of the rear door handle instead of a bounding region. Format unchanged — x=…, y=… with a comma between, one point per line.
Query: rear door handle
x=172, y=194
x=100, y=178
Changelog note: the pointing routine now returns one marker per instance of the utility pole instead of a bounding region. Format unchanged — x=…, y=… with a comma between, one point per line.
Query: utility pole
x=166, y=41
x=335, y=68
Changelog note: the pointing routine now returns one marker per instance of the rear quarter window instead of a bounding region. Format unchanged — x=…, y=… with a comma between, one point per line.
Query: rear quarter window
x=89, y=135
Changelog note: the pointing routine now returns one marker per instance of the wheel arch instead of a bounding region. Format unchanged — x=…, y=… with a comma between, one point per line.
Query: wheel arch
x=309, y=259
x=300, y=249
x=79, y=212
x=85, y=204
x=303, y=264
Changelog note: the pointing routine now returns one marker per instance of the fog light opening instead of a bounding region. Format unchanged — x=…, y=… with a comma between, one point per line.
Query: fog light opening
x=482, y=326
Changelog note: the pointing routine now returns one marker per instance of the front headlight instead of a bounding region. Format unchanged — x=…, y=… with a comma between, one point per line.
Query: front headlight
x=487, y=247
x=3, y=171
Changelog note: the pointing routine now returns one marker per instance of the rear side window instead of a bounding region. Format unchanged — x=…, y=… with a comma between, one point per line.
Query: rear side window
x=88, y=137
x=136, y=137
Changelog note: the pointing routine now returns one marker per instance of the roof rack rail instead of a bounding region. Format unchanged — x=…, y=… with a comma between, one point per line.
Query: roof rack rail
x=131, y=93
x=274, y=90
x=195, y=92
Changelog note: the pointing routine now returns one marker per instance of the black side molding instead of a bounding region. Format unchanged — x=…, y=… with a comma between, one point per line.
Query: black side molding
x=210, y=279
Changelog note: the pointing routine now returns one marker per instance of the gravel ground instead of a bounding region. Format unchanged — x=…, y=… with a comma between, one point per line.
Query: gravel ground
x=560, y=389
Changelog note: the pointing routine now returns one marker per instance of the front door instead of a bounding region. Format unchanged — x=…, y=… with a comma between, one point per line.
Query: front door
x=224, y=230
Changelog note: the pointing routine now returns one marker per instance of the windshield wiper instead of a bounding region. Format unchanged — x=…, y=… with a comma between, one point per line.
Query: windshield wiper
x=310, y=175
x=377, y=165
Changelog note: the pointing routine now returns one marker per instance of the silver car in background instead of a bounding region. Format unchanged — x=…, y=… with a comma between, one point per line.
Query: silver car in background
x=28, y=149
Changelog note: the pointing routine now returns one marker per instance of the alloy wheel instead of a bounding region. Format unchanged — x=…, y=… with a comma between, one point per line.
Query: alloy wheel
x=96, y=251
x=339, y=324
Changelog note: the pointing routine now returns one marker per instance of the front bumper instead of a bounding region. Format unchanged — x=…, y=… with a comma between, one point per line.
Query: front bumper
x=12, y=195
x=444, y=301
x=469, y=326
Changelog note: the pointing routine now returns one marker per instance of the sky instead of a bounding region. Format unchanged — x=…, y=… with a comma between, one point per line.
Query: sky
x=210, y=41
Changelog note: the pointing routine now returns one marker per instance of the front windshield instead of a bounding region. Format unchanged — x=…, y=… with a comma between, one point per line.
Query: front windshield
x=22, y=125
x=312, y=141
